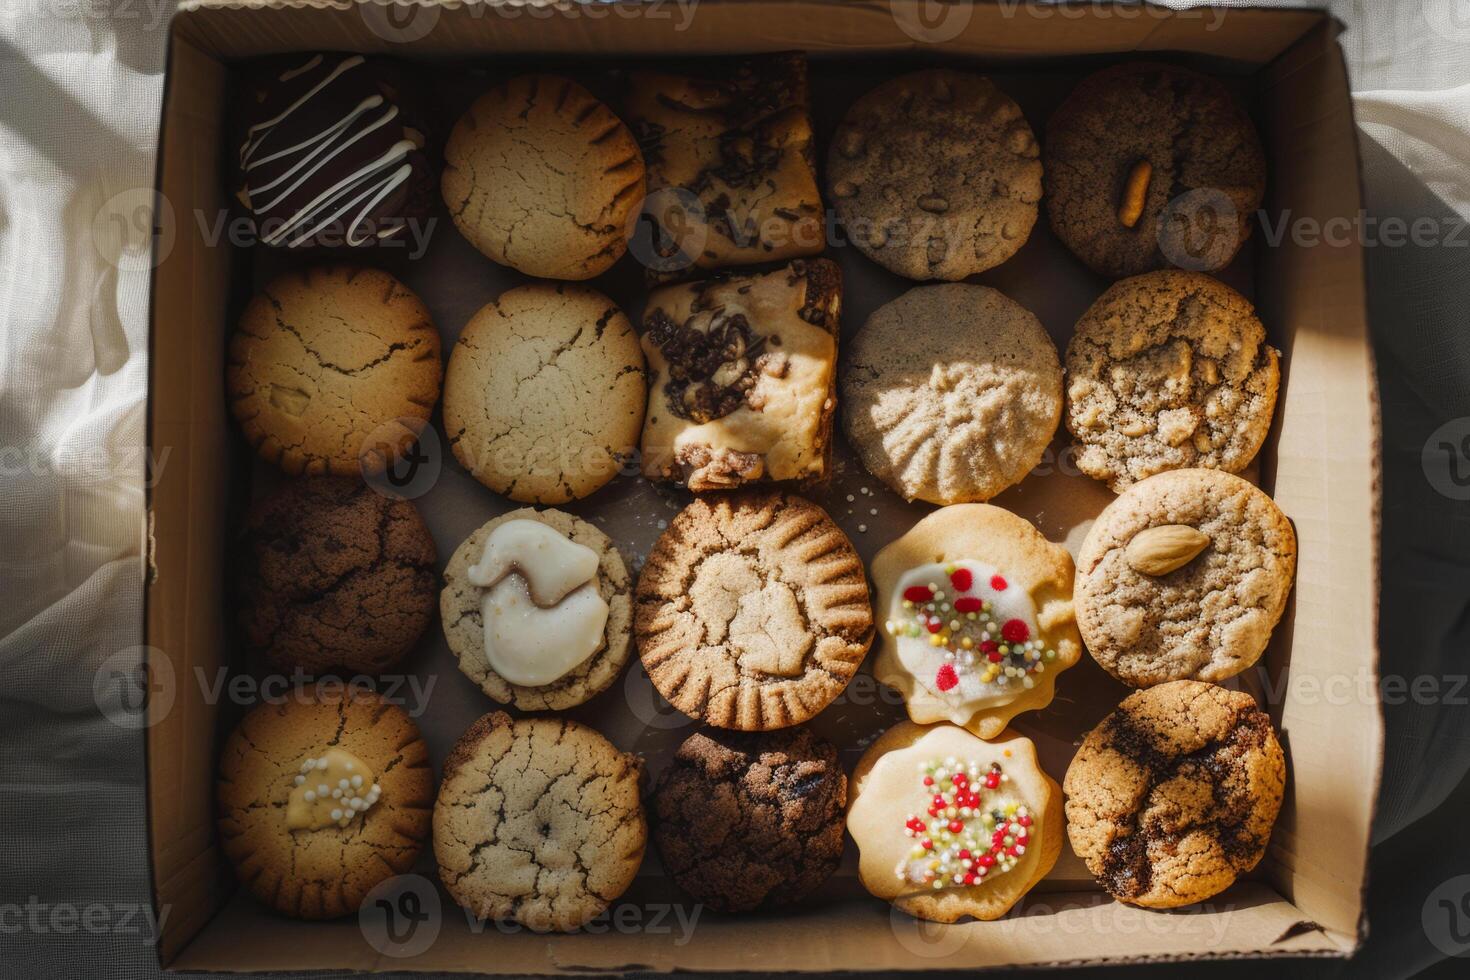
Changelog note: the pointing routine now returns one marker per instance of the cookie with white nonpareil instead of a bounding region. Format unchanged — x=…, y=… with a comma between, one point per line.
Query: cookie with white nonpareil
x=949, y=826
x=1184, y=576
x=537, y=607
x=978, y=619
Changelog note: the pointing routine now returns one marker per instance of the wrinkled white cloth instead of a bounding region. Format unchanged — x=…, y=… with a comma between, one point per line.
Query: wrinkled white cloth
x=80, y=88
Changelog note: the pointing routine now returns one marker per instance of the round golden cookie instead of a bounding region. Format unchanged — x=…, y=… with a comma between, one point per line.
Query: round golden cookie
x=322, y=872
x=545, y=393
x=1184, y=576
x=752, y=611
x=1173, y=795
x=951, y=393
x=464, y=627
x=1169, y=370
x=927, y=806
x=977, y=617
x=334, y=369
x=538, y=821
x=542, y=177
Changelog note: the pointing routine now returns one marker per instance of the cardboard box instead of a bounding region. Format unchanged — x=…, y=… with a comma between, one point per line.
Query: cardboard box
x=1318, y=678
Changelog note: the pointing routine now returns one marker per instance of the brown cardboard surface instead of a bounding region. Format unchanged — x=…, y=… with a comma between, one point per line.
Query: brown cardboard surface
x=1321, y=464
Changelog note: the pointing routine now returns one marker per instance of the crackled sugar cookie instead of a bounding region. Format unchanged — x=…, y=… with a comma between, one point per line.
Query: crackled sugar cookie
x=1174, y=794
x=1184, y=576
x=322, y=797
x=333, y=369
x=936, y=175
x=752, y=611
x=545, y=392
x=949, y=826
x=538, y=821
x=951, y=393
x=537, y=607
x=978, y=619
x=1168, y=370
x=542, y=177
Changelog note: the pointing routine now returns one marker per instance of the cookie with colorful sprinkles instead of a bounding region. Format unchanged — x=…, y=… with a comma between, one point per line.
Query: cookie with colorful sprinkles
x=977, y=617
x=950, y=826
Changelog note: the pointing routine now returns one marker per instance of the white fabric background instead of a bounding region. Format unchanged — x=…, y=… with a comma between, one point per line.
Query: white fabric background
x=80, y=85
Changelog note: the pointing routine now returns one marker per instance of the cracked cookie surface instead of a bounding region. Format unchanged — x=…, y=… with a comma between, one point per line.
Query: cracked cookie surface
x=335, y=369
x=936, y=175
x=746, y=821
x=542, y=177
x=334, y=575
x=752, y=611
x=1208, y=619
x=459, y=606
x=1207, y=172
x=1169, y=370
x=951, y=393
x=538, y=821
x=1174, y=794
x=322, y=873
x=545, y=392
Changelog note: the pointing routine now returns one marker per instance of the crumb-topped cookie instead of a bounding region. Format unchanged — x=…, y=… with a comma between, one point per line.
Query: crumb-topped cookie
x=950, y=826
x=1173, y=795
x=752, y=611
x=742, y=374
x=977, y=617
x=731, y=177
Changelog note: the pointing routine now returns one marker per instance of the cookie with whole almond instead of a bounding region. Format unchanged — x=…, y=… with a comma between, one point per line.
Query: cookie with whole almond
x=752, y=611
x=323, y=795
x=542, y=177
x=1165, y=371
x=1150, y=166
x=949, y=825
x=1173, y=795
x=935, y=175
x=1184, y=576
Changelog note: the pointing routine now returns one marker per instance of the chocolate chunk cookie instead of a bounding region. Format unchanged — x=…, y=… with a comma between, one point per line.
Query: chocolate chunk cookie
x=752, y=611
x=538, y=821
x=333, y=575
x=751, y=821
x=307, y=848
x=935, y=175
x=1184, y=576
x=334, y=369
x=1169, y=370
x=951, y=393
x=1173, y=795
x=1150, y=166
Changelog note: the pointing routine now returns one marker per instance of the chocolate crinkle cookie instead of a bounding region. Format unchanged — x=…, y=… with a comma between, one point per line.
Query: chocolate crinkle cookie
x=746, y=821
x=333, y=575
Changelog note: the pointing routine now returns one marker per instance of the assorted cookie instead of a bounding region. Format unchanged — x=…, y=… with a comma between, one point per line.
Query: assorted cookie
x=750, y=821
x=542, y=177
x=1173, y=795
x=977, y=617
x=322, y=796
x=935, y=175
x=752, y=611
x=731, y=174
x=951, y=393
x=537, y=607
x=544, y=394
x=333, y=369
x=742, y=373
x=1150, y=166
x=538, y=822
x=1184, y=576
x=951, y=826
x=1169, y=370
